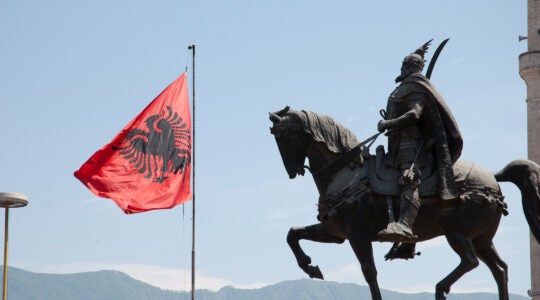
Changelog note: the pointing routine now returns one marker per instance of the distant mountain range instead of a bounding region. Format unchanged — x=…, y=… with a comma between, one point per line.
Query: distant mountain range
x=112, y=285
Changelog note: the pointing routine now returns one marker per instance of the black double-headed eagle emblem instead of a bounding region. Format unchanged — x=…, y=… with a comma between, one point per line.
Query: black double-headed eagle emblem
x=161, y=150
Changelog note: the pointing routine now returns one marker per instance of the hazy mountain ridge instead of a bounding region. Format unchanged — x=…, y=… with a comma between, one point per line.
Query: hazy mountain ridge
x=90, y=285
x=113, y=285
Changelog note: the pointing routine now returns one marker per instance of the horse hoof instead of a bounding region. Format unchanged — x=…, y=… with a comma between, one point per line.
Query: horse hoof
x=315, y=272
x=441, y=292
x=439, y=296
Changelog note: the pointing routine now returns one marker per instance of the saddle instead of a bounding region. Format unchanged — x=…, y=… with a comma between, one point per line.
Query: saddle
x=383, y=179
x=376, y=176
x=373, y=176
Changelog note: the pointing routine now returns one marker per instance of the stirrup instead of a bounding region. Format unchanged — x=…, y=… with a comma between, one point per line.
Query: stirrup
x=402, y=251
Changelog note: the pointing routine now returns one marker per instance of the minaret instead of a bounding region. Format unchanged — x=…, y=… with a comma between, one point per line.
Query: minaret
x=529, y=70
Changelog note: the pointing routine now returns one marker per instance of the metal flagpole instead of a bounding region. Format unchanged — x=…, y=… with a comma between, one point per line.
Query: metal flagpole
x=193, y=152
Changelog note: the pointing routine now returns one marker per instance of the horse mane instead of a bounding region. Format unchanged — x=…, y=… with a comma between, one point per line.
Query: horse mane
x=337, y=138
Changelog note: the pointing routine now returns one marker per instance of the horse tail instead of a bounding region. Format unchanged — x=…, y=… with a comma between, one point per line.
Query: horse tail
x=525, y=174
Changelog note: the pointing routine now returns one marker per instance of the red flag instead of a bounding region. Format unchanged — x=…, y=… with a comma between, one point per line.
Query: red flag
x=148, y=164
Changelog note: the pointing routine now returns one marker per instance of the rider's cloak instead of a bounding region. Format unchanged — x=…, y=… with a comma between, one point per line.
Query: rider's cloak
x=448, y=142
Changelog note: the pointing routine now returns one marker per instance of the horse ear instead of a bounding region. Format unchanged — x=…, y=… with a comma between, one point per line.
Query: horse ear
x=278, y=115
x=274, y=118
x=282, y=112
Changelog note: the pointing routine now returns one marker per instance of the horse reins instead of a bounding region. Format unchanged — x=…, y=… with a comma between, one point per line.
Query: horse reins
x=326, y=173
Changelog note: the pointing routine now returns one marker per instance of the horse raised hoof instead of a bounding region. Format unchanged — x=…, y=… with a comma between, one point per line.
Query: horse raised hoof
x=314, y=272
x=401, y=251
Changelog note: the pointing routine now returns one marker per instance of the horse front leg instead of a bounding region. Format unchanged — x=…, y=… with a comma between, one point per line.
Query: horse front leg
x=315, y=233
x=361, y=245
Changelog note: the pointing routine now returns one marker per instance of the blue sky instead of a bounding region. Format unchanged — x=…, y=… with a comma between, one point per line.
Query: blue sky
x=73, y=73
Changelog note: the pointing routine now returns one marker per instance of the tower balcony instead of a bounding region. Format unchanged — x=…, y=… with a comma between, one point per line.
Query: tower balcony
x=529, y=66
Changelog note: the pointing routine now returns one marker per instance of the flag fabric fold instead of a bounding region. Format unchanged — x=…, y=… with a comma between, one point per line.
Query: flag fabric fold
x=147, y=165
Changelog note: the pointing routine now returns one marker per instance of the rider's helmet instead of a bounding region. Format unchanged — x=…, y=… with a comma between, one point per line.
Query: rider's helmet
x=414, y=62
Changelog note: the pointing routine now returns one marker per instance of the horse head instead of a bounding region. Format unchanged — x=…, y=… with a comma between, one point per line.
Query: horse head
x=292, y=139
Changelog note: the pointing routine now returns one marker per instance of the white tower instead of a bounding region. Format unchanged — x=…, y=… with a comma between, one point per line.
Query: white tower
x=529, y=70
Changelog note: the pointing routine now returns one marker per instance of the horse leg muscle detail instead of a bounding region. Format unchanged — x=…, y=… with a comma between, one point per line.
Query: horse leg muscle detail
x=315, y=233
x=464, y=248
x=364, y=252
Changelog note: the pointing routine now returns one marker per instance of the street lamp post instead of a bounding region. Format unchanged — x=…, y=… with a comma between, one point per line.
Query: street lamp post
x=7, y=201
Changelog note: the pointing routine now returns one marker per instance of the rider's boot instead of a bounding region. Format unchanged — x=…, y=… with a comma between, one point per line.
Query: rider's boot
x=401, y=231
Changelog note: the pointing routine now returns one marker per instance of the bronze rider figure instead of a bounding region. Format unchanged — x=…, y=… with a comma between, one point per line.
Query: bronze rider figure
x=422, y=132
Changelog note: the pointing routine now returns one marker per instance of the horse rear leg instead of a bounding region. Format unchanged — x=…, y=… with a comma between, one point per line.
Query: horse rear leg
x=463, y=246
x=315, y=233
x=488, y=254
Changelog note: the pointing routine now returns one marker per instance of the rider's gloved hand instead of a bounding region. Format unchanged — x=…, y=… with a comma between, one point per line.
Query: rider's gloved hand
x=383, y=124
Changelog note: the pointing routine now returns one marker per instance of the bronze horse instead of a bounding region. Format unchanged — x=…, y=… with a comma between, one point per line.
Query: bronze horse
x=351, y=207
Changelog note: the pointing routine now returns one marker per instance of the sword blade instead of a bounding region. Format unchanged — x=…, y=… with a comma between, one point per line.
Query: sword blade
x=434, y=58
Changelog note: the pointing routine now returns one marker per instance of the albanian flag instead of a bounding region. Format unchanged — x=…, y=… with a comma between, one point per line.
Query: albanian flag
x=148, y=164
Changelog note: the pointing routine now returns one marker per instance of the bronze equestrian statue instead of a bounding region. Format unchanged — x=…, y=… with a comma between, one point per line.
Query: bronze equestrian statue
x=361, y=193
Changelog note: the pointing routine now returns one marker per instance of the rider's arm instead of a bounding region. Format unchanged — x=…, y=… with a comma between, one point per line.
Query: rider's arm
x=416, y=106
